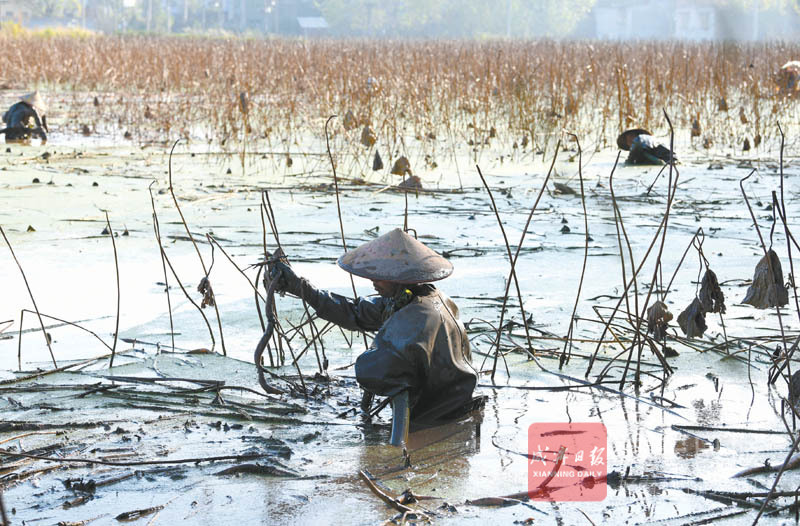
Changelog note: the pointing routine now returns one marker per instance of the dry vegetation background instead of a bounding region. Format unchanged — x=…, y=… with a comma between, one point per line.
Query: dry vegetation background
x=230, y=91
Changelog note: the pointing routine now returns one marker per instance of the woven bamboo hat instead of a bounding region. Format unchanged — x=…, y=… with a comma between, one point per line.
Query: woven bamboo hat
x=398, y=257
x=35, y=100
x=622, y=140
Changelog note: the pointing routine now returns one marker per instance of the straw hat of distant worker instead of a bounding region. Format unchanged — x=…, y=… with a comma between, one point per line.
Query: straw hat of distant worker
x=626, y=138
x=36, y=101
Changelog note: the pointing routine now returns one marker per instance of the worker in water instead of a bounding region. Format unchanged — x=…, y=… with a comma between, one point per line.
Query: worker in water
x=421, y=349
x=26, y=119
x=788, y=79
x=643, y=148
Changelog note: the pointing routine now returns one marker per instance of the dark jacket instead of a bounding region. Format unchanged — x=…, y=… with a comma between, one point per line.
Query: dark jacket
x=421, y=346
x=23, y=122
x=645, y=150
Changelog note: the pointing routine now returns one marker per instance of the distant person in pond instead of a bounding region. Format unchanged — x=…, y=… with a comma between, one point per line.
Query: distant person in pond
x=788, y=79
x=643, y=147
x=26, y=119
x=421, y=349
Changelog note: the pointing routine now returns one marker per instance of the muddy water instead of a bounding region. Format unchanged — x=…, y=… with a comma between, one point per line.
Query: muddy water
x=70, y=267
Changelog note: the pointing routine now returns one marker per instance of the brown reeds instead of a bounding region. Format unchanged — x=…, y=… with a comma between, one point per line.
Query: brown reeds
x=234, y=93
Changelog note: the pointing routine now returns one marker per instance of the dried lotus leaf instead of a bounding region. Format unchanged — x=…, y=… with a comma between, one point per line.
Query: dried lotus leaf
x=658, y=318
x=401, y=166
x=368, y=137
x=413, y=182
x=693, y=319
x=561, y=188
x=711, y=295
x=204, y=288
x=794, y=388
x=350, y=121
x=377, y=162
x=767, y=289
x=697, y=130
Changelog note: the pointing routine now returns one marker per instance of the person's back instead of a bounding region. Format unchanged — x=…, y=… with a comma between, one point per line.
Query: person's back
x=424, y=348
x=23, y=119
x=644, y=148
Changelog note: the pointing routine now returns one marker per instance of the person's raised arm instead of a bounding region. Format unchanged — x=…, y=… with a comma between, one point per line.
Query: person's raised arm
x=362, y=314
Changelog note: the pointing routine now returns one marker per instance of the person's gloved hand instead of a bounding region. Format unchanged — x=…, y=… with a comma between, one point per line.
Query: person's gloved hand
x=287, y=279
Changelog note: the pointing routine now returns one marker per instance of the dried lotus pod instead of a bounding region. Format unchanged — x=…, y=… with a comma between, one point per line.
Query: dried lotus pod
x=349, y=121
x=377, y=162
x=693, y=319
x=767, y=289
x=658, y=318
x=368, y=136
x=711, y=295
x=401, y=166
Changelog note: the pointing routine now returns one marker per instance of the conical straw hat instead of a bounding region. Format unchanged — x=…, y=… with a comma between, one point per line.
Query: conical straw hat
x=396, y=256
x=35, y=100
x=622, y=140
